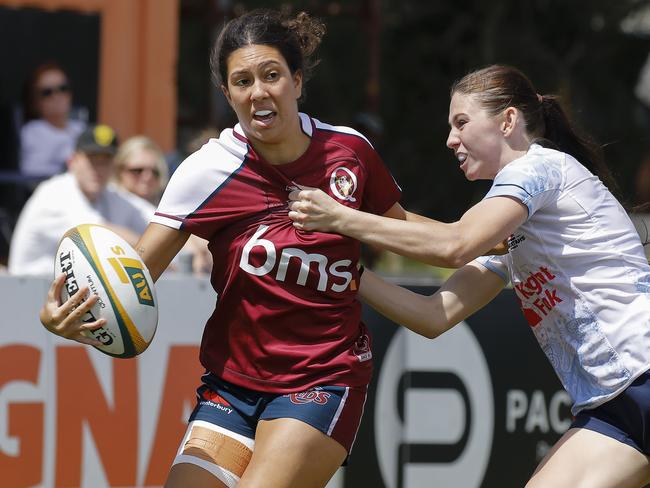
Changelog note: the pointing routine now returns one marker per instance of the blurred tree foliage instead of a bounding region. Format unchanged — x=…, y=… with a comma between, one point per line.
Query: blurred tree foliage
x=575, y=48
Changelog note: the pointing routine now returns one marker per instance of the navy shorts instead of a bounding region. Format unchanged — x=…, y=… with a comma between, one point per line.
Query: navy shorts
x=334, y=410
x=625, y=417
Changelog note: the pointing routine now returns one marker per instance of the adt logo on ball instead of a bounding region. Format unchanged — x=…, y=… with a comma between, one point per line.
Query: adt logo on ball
x=434, y=411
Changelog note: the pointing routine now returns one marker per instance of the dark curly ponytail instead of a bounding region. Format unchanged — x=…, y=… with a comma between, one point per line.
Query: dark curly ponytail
x=296, y=38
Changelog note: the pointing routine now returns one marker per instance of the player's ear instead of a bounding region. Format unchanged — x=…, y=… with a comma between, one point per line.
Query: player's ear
x=509, y=121
x=297, y=83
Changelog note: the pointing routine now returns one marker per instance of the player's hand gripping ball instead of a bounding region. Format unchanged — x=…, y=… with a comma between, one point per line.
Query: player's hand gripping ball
x=96, y=257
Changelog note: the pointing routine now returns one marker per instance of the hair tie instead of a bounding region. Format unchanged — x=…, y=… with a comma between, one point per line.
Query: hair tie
x=540, y=98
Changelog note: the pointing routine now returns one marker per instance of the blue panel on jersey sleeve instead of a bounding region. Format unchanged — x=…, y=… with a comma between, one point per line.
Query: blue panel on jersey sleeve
x=496, y=264
x=643, y=284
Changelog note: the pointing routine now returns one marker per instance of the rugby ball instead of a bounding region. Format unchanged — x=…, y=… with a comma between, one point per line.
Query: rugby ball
x=94, y=256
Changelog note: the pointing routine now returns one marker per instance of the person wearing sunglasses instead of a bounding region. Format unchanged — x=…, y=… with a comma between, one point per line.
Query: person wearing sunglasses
x=47, y=138
x=82, y=194
x=141, y=168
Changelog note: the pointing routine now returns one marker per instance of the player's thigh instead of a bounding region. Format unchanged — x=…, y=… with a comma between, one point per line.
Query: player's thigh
x=218, y=442
x=292, y=454
x=210, y=455
x=583, y=458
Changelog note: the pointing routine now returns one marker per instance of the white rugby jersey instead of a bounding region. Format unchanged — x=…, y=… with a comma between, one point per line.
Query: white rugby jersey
x=580, y=273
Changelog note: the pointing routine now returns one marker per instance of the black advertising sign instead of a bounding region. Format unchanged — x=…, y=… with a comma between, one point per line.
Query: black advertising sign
x=478, y=406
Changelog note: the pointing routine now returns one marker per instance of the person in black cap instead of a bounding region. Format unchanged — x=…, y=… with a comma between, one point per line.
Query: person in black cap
x=81, y=195
x=92, y=161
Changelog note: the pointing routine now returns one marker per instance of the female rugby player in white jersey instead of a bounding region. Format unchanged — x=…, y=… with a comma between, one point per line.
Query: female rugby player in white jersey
x=287, y=358
x=575, y=262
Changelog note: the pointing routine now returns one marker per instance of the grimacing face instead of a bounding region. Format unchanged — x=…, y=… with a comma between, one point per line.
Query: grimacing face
x=475, y=137
x=263, y=93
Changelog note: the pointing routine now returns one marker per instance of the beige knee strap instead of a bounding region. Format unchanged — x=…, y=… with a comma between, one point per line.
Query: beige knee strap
x=219, y=449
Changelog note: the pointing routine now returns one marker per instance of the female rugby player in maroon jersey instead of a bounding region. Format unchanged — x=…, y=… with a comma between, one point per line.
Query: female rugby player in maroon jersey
x=287, y=358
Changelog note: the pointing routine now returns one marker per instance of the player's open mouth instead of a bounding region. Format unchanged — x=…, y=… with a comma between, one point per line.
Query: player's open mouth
x=461, y=157
x=264, y=116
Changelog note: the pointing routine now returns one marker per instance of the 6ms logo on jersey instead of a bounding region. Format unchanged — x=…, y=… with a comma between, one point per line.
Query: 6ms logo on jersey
x=336, y=276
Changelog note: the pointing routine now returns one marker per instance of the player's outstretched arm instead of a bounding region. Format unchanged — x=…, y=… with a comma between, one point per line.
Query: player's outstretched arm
x=158, y=245
x=469, y=289
x=481, y=229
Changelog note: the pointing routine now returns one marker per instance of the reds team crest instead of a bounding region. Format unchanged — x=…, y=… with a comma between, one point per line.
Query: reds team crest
x=343, y=184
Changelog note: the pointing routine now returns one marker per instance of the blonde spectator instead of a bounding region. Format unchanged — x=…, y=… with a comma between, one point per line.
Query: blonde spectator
x=141, y=168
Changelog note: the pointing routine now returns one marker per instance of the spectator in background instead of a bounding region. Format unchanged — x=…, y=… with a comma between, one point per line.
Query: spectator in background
x=47, y=138
x=141, y=168
x=81, y=195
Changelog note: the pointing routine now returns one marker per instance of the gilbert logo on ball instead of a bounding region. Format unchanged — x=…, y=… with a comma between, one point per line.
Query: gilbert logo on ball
x=94, y=256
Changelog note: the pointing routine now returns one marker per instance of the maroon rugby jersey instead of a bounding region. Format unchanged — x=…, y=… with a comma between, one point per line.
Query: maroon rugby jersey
x=286, y=317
